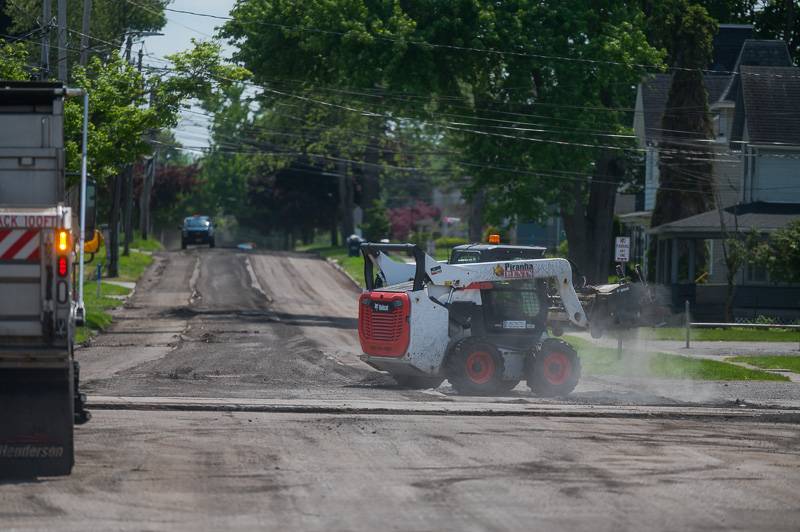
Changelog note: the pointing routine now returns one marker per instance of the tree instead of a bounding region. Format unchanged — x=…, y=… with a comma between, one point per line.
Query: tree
x=686, y=186
x=376, y=224
x=781, y=254
x=112, y=23
x=518, y=90
x=13, y=61
x=737, y=251
x=404, y=220
x=772, y=19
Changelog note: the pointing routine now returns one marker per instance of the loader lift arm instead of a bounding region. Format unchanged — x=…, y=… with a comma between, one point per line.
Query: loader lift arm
x=449, y=277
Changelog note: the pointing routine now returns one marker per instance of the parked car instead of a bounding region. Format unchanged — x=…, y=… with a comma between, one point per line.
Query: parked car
x=197, y=229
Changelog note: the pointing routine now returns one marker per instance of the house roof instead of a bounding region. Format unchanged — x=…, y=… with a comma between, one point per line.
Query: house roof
x=763, y=217
x=727, y=44
x=756, y=52
x=769, y=105
x=655, y=91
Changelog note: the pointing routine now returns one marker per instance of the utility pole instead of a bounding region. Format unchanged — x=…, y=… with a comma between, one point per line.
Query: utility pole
x=62, y=40
x=46, y=19
x=128, y=46
x=147, y=184
x=144, y=200
x=128, y=210
x=87, y=13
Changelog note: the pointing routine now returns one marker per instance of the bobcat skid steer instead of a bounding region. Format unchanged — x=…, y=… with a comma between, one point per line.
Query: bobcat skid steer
x=480, y=325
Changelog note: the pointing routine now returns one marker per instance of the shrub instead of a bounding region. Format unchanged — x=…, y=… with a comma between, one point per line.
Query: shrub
x=449, y=242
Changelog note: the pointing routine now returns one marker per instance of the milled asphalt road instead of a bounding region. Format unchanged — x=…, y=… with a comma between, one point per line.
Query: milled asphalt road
x=229, y=395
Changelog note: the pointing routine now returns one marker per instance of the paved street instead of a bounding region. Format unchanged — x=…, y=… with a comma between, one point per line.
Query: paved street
x=228, y=395
x=220, y=471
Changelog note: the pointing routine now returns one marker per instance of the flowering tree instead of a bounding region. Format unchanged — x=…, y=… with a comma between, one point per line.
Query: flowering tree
x=404, y=220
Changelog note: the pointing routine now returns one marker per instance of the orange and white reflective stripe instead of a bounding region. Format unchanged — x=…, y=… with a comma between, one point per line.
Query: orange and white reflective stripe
x=19, y=244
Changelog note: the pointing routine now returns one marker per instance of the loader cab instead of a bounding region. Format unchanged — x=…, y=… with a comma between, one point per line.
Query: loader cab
x=511, y=311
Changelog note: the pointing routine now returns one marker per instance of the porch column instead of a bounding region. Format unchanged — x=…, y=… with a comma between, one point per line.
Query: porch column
x=673, y=270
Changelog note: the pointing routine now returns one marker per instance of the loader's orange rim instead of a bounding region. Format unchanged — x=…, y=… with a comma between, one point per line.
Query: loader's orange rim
x=480, y=367
x=557, y=368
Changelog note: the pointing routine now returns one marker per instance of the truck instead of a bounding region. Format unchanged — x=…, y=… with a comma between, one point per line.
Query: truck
x=40, y=296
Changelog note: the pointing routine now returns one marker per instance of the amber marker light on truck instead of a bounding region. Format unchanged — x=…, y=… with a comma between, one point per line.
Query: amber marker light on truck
x=62, y=242
x=494, y=239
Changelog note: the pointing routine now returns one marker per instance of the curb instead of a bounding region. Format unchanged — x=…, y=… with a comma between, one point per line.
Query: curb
x=336, y=265
x=429, y=408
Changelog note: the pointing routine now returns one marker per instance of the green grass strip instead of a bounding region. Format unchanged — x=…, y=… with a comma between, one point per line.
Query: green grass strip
x=150, y=244
x=604, y=361
x=97, y=315
x=98, y=318
x=787, y=362
x=352, y=265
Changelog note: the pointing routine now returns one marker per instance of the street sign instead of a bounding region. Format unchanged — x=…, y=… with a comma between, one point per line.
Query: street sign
x=622, y=249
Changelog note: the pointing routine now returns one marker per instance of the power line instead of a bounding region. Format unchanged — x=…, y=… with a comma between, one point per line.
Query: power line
x=420, y=43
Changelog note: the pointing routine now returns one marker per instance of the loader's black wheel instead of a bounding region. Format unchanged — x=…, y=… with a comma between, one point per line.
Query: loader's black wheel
x=555, y=369
x=475, y=367
x=417, y=382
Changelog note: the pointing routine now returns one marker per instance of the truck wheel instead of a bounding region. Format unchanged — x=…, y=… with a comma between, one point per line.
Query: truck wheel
x=183, y=244
x=211, y=244
x=475, y=367
x=417, y=382
x=554, y=370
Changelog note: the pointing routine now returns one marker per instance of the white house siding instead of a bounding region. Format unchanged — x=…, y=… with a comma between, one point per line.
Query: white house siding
x=727, y=171
x=776, y=178
x=651, y=178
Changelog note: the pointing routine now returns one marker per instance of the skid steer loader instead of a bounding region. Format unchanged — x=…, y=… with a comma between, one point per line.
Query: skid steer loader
x=480, y=320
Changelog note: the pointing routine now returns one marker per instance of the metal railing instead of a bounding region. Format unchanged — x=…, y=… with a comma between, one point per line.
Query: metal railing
x=689, y=325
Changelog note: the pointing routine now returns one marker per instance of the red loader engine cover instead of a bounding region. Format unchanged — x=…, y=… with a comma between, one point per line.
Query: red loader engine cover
x=383, y=323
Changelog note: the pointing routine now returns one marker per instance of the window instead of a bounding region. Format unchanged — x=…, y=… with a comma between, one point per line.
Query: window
x=467, y=258
x=755, y=273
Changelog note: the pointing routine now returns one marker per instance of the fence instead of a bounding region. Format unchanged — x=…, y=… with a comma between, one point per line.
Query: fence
x=689, y=325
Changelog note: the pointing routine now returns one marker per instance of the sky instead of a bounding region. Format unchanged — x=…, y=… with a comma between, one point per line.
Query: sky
x=181, y=28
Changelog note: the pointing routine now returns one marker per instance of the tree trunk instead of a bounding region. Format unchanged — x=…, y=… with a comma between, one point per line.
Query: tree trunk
x=370, y=175
x=345, y=201
x=128, y=211
x=334, y=228
x=144, y=199
x=476, y=216
x=113, y=227
x=730, y=294
x=590, y=228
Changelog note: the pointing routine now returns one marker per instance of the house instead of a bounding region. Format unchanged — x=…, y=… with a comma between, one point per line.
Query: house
x=756, y=174
x=651, y=102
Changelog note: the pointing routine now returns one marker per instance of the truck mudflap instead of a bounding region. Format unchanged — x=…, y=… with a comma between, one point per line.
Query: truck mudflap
x=36, y=422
